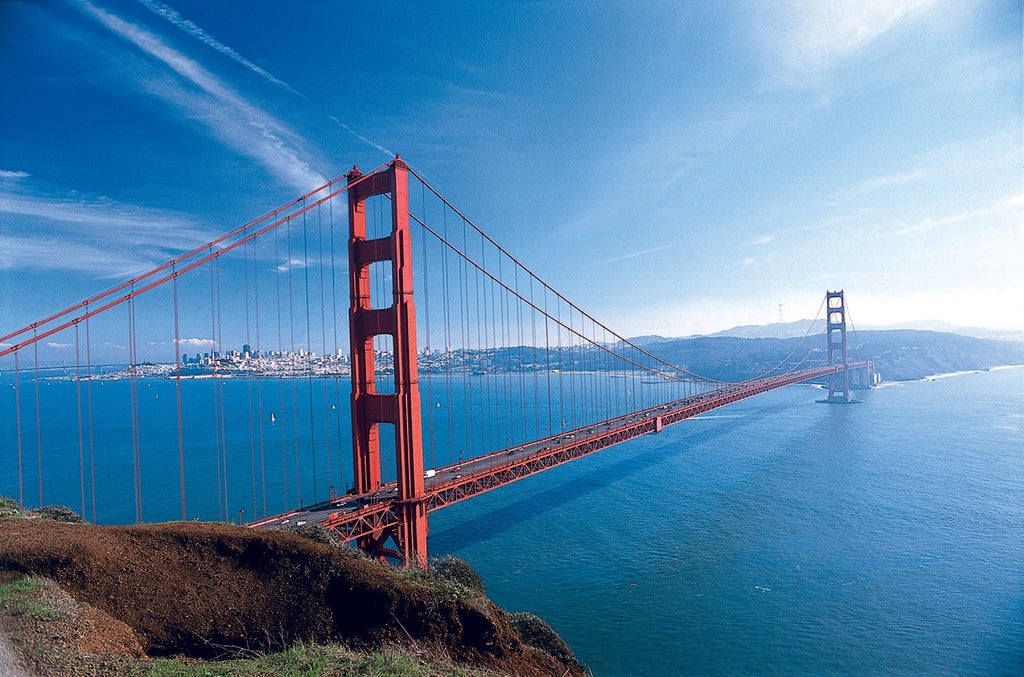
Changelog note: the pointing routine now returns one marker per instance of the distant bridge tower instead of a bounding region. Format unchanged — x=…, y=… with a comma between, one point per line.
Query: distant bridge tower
x=835, y=330
x=401, y=408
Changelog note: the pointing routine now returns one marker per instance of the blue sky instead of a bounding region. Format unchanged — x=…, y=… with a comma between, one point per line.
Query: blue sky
x=672, y=167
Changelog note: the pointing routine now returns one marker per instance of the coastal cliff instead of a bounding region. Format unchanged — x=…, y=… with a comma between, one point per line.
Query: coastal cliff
x=215, y=591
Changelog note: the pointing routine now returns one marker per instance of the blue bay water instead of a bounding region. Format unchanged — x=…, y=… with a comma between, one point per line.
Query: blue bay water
x=775, y=536
x=779, y=536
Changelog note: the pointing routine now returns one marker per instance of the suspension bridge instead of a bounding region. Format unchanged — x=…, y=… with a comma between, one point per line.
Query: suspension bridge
x=285, y=373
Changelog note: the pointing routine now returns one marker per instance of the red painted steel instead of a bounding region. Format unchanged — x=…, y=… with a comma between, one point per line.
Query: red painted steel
x=369, y=407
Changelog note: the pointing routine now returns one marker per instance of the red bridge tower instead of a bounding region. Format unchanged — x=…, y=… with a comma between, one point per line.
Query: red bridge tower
x=835, y=331
x=401, y=408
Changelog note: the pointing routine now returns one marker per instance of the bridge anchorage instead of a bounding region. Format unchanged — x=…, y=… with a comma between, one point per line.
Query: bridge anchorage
x=388, y=520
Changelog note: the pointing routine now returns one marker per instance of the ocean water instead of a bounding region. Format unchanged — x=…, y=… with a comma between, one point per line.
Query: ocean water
x=775, y=536
x=779, y=536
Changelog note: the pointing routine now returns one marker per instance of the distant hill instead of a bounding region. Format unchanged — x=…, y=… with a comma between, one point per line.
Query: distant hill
x=799, y=328
x=649, y=340
x=899, y=355
x=774, y=330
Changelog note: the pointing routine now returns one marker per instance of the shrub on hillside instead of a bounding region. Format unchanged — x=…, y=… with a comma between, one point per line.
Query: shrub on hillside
x=315, y=532
x=58, y=513
x=535, y=632
x=456, y=570
x=8, y=507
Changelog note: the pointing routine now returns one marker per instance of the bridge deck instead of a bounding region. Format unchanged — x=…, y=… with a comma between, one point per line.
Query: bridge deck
x=356, y=516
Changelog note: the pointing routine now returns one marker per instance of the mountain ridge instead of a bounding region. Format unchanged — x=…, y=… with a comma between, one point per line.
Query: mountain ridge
x=800, y=328
x=898, y=354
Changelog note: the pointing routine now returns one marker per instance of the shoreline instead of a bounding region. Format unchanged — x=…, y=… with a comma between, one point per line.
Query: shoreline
x=953, y=374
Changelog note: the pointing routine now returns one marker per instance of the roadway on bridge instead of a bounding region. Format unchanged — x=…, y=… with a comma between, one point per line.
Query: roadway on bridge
x=441, y=484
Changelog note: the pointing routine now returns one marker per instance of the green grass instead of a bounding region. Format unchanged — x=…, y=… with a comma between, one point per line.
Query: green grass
x=21, y=598
x=9, y=508
x=307, y=660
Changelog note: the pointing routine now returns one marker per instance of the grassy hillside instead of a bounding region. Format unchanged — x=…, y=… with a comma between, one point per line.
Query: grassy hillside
x=215, y=591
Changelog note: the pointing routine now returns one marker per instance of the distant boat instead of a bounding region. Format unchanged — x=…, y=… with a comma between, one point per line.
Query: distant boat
x=272, y=417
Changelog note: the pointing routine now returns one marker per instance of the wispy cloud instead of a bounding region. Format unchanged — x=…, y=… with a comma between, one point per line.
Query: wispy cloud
x=832, y=222
x=142, y=224
x=234, y=120
x=893, y=180
x=1008, y=212
x=7, y=174
x=948, y=163
x=192, y=29
x=875, y=184
x=53, y=253
x=654, y=166
x=634, y=255
x=360, y=136
x=676, y=149
x=199, y=34
x=96, y=237
x=807, y=37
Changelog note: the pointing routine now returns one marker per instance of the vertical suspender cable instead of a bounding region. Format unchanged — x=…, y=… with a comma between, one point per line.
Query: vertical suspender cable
x=309, y=344
x=561, y=372
x=548, y=362
x=133, y=387
x=294, y=376
x=505, y=372
x=323, y=344
x=282, y=268
x=17, y=428
x=81, y=433
x=487, y=419
x=449, y=353
x=250, y=377
x=215, y=391
x=524, y=415
x=39, y=423
x=88, y=398
x=464, y=323
x=257, y=357
x=219, y=385
x=337, y=356
x=177, y=392
x=426, y=317
x=536, y=366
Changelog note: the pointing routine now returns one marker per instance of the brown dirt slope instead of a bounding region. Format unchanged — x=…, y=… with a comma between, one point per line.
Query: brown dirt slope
x=45, y=631
x=201, y=590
